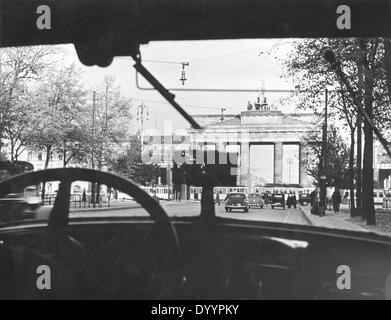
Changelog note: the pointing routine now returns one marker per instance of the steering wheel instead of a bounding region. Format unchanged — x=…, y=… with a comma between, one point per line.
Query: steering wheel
x=59, y=215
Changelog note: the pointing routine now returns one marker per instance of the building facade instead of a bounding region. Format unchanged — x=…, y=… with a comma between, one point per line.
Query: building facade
x=269, y=145
x=265, y=146
x=382, y=167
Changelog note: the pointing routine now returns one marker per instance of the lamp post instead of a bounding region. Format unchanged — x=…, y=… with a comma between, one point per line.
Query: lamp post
x=93, y=146
x=323, y=177
x=142, y=114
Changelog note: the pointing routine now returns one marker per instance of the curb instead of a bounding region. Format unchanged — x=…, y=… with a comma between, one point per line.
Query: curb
x=305, y=216
x=77, y=210
x=348, y=225
x=119, y=208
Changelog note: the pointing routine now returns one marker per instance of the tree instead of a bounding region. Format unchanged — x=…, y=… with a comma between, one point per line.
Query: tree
x=58, y=101
x=338, y=153
x=312, y=73
x=130, y=164
x=20, y=129
x=112, y=122
x=75, y=146
x=20, y=69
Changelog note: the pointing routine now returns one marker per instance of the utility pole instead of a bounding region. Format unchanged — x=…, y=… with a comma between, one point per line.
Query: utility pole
x=93, y=146
x=142, y=114
x=323, y=177
x=93, y=129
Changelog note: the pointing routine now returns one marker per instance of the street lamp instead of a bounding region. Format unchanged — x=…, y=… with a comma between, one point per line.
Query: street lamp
x=142, y=114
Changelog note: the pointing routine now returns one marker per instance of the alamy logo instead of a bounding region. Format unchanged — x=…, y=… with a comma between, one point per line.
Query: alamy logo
x=344, y=277
x=44, y=21
x=44, y=279
x=344, y=18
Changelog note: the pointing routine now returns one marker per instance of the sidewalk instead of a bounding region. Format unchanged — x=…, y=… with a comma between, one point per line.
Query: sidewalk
x=114, y=205
x=117, y=205
x=330, y=220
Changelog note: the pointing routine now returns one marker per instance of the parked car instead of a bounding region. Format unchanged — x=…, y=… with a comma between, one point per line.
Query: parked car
x=236, y=201
x=255, y=200
x=266, y=196
x=304, y=199
x=278, y=200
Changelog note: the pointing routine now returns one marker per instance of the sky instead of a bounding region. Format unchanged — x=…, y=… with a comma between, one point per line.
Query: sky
x=224, y=64
x=228, y=64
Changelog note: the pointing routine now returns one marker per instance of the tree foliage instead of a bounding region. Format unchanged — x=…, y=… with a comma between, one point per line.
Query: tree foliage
x=45, y=107
x=130, y=164
x=112, y=122
x=21, y=69
x=312, y=74
x=337, y=172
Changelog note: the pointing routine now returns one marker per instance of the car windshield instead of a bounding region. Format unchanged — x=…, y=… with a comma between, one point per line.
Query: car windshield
x=278, y=118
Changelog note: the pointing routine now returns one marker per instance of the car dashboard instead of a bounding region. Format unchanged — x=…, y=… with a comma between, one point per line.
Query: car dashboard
x=227, y=260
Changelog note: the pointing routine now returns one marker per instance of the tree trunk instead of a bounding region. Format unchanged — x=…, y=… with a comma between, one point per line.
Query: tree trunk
x=368, y=204
x=12, y=151
x=64, y=157
x=359, y=164
x=99, y=168
x=351, y=173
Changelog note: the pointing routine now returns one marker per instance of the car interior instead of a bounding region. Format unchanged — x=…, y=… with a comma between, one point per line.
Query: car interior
x=155, y=256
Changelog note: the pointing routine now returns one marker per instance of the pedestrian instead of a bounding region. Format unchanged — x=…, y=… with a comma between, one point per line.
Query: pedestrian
x=321, y=203
x=315, y=202
x=84, y=197
x=217, y=198
x=336, y=198
x=293, y=200
x=289, y=201
x=97, y=201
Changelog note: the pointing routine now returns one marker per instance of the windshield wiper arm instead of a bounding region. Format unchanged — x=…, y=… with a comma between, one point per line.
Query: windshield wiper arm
x=164, y=92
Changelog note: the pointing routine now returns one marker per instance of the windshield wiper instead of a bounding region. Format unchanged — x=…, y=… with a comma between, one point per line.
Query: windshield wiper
x=164, y=92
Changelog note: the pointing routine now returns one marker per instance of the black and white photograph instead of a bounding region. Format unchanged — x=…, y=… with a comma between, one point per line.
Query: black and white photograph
x=204, y=150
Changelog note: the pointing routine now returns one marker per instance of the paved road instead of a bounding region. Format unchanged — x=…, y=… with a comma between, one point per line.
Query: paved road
x=192, y=208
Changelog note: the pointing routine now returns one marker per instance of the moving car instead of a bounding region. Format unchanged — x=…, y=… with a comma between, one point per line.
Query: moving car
x=16, y=206
x=237, y=201
x=255, y=200
x=277, y=200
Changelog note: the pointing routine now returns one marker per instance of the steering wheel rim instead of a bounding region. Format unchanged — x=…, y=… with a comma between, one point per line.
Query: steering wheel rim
x=66, y=176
